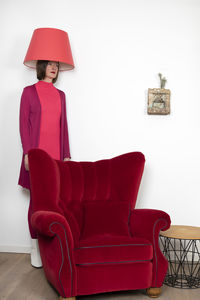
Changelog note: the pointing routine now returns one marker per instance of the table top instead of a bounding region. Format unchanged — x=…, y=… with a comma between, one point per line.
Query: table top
x=182, y=232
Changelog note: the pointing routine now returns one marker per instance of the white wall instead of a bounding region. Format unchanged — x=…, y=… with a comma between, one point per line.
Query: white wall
x=119, y=47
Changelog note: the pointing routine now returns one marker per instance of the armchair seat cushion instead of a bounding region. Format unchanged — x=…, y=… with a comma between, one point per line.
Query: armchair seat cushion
x=113, y=249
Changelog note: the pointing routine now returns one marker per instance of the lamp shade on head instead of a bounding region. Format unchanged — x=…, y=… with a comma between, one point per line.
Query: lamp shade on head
x=49, y=44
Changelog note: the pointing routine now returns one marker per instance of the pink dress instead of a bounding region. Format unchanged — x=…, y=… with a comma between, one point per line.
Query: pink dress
x=49, y=138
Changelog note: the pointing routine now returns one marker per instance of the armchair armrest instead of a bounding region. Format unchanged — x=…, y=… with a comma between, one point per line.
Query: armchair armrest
x=45, y=221
x=144, y=221
x=57, y=250
x=147, y=223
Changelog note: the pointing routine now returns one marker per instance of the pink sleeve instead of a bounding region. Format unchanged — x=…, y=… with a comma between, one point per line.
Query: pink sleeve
x=66, y=135
x=24, y=121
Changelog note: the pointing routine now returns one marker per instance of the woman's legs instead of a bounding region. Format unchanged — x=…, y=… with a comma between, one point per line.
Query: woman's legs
x=35, y=252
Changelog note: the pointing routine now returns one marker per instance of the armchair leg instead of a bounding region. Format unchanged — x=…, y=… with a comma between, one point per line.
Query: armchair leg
x=70, y=298
x=153, y=292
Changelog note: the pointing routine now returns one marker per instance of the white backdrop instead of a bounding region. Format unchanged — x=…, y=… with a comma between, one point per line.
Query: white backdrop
x=119, y=47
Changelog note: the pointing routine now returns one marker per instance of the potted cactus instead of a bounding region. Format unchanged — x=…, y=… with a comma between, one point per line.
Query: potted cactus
x=159, y=99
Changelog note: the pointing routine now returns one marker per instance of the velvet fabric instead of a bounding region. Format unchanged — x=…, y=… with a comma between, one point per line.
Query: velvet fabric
x=32, y=231
x=116, y=277
x=148, y=223
x=108, y=250
x=105, y=217
x=77, y=263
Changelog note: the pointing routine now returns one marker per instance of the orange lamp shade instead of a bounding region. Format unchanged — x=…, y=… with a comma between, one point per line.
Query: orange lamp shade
x=49, y=44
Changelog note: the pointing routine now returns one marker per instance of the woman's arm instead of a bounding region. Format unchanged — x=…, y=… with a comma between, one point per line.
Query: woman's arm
x=24, y=125
x=66, y=134
x=26, y=164
x=24, y=121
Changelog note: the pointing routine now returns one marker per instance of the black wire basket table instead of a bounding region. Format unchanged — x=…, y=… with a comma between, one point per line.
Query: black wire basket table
x=181, y=247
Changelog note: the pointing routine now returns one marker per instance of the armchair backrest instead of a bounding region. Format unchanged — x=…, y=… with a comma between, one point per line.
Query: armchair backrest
x=63, y=186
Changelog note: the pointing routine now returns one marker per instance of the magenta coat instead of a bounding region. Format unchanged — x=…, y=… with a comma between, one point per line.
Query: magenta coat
x=29, y=120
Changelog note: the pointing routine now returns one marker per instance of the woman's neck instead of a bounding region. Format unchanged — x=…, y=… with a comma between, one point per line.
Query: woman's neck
x=49, y=80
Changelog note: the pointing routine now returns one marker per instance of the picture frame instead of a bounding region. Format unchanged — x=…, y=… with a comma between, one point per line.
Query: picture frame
x=158, y=101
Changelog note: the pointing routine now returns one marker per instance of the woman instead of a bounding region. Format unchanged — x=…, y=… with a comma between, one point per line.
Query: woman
x=43, y=124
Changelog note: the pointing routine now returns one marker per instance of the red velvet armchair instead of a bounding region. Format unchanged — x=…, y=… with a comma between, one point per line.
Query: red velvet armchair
x=91, y=237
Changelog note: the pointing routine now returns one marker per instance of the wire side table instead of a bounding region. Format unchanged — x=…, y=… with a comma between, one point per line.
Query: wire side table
x=181, y=246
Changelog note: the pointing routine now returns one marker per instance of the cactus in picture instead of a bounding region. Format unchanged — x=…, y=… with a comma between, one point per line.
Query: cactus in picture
x=163, y=81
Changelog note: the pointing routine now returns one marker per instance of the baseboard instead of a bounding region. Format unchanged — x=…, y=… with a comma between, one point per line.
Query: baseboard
x=15, y=249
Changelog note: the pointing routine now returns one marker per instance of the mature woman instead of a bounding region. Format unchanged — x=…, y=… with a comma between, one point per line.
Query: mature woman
x=43, y=124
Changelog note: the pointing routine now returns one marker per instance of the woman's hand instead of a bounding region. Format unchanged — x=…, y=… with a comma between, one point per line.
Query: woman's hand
x=66, y=158
x=26, y=162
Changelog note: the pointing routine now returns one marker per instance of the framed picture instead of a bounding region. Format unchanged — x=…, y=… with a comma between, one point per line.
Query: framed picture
x=158, y=102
